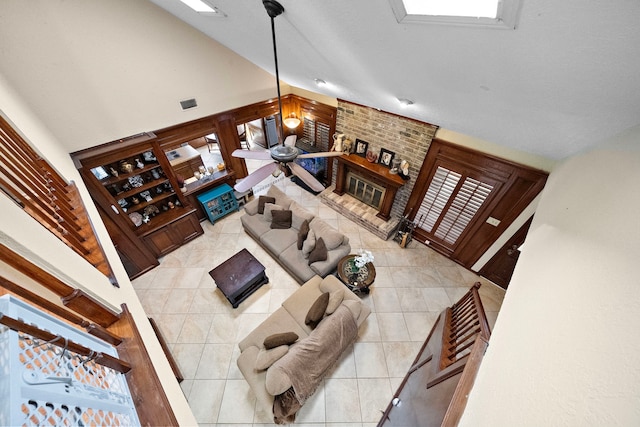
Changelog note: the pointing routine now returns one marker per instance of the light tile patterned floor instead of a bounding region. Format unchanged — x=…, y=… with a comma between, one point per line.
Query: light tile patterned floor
x=412, y=286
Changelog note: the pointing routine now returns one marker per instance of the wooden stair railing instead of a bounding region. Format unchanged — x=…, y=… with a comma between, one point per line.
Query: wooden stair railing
x=436, y=388
x=119, y=330
x=34, y=185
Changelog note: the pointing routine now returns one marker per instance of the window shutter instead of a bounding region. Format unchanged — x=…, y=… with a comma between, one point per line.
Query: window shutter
x=450, y=203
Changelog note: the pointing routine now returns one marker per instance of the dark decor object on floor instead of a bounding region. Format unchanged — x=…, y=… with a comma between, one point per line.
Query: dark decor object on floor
x=357, y=279
x=239, y=276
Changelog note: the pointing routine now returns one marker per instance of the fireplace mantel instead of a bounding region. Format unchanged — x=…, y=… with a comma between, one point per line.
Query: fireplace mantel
x=376, y=173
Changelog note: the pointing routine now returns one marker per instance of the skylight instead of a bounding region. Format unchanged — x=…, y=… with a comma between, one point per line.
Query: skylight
x=470, y=8
x=487, y=13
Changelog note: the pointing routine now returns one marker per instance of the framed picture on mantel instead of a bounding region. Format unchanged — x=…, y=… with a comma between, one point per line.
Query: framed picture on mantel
x=386, y=157
x=361, y=147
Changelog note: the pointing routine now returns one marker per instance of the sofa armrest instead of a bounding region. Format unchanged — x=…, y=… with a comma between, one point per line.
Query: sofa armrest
x=251, y=208
x=247, y=364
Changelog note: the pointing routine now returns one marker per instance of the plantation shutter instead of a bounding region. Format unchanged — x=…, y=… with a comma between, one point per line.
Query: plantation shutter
x=451, y=202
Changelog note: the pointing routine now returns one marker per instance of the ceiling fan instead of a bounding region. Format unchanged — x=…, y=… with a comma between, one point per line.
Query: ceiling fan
x=283, y=154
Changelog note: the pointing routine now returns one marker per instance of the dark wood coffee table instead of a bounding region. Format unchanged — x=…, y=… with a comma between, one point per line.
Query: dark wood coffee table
x=239, y=276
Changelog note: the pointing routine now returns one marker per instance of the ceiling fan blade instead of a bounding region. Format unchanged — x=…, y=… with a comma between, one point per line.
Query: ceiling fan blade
x=255, y=177
x=321, y=154
x=305, y=176
x=256, y=155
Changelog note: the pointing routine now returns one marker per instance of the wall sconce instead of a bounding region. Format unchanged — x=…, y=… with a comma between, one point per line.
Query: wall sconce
x=292, y=121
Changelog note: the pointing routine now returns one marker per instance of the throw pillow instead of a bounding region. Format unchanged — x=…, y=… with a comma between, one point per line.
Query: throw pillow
x=335, y=299
x=299, y=215
x=267, y=358
x=276, y=340
x=268, y=209
x=309, y=244
x=332, y=238
x=276, y=382
x=302, y=233
x=316, y=312
x=261, y=202
x=319, y=253
x=281, y=219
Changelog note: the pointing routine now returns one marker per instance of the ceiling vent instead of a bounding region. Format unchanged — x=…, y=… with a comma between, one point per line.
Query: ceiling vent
x=188, y=104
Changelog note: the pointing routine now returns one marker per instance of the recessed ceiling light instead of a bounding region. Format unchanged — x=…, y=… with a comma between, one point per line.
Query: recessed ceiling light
x=320, y=82
x=405, y=102
x=202, y=7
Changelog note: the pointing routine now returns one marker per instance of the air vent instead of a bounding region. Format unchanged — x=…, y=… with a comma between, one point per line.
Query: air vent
x=188, y=104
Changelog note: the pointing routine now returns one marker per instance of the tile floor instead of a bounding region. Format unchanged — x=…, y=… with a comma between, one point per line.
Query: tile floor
x=412, y=286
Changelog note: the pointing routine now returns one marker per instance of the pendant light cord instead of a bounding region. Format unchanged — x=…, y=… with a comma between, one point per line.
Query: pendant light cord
x=275, y=56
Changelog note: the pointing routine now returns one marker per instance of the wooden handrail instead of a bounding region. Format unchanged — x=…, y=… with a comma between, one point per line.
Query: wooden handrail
x=46, y=196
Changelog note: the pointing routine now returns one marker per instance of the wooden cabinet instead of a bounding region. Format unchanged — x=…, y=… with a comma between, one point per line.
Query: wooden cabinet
x=174, y=234
x=132, y=182
x=218, y=202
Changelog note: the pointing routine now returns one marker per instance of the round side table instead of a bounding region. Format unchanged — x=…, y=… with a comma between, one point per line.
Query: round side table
x=356, y=279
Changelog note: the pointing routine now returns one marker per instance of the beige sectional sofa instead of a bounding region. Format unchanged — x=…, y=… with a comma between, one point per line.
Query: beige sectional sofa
x=282, y=244
x=290, y=317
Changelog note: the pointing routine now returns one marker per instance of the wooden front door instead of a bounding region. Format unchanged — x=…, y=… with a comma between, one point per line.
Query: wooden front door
x=500, y=267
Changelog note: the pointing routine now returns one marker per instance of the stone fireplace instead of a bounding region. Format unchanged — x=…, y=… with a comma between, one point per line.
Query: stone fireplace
x=409, y=139
x=364, y=192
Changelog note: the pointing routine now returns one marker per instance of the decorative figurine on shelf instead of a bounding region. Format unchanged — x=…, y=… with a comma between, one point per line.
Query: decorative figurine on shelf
x=126, y=167
x=171, y=205
x=145, y=218
x=371, y=156
x=155, y=174
x=146, y=195
x=338, y=138
x=347, y=146
x=404, y=170
x=151, y=211
x=395, y=166
x=113, y=171
x=139, y=164
x=211, y=170
x=135, y=200
x=221, y=166
x=149, y=157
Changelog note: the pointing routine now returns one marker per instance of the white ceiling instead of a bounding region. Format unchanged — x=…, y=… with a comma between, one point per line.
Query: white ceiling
x=566, y=78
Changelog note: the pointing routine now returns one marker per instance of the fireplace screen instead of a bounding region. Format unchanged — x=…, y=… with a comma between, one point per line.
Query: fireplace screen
x=364, y=190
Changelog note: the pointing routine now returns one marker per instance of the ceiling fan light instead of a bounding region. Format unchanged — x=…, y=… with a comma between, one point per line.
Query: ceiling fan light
x=292, y=121
x=320, y=82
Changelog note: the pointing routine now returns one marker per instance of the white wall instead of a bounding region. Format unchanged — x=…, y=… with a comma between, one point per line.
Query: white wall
x=565, y=347
x=94, y=71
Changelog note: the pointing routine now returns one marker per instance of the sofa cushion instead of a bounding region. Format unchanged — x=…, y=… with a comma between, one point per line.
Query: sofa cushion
x=277, y=240
x=300, y=214
x=316, y=311
x=309, y=243
x=268, y=208
x=283, y=338
x=303, y=231
x=335, y=299
x=262, y=200
x=331, y=237
x=255, y=225
x=267, y=358
x=281, y=198
x=323, y=268
x=295, y=262
x=319, y=253
x=281, y=219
